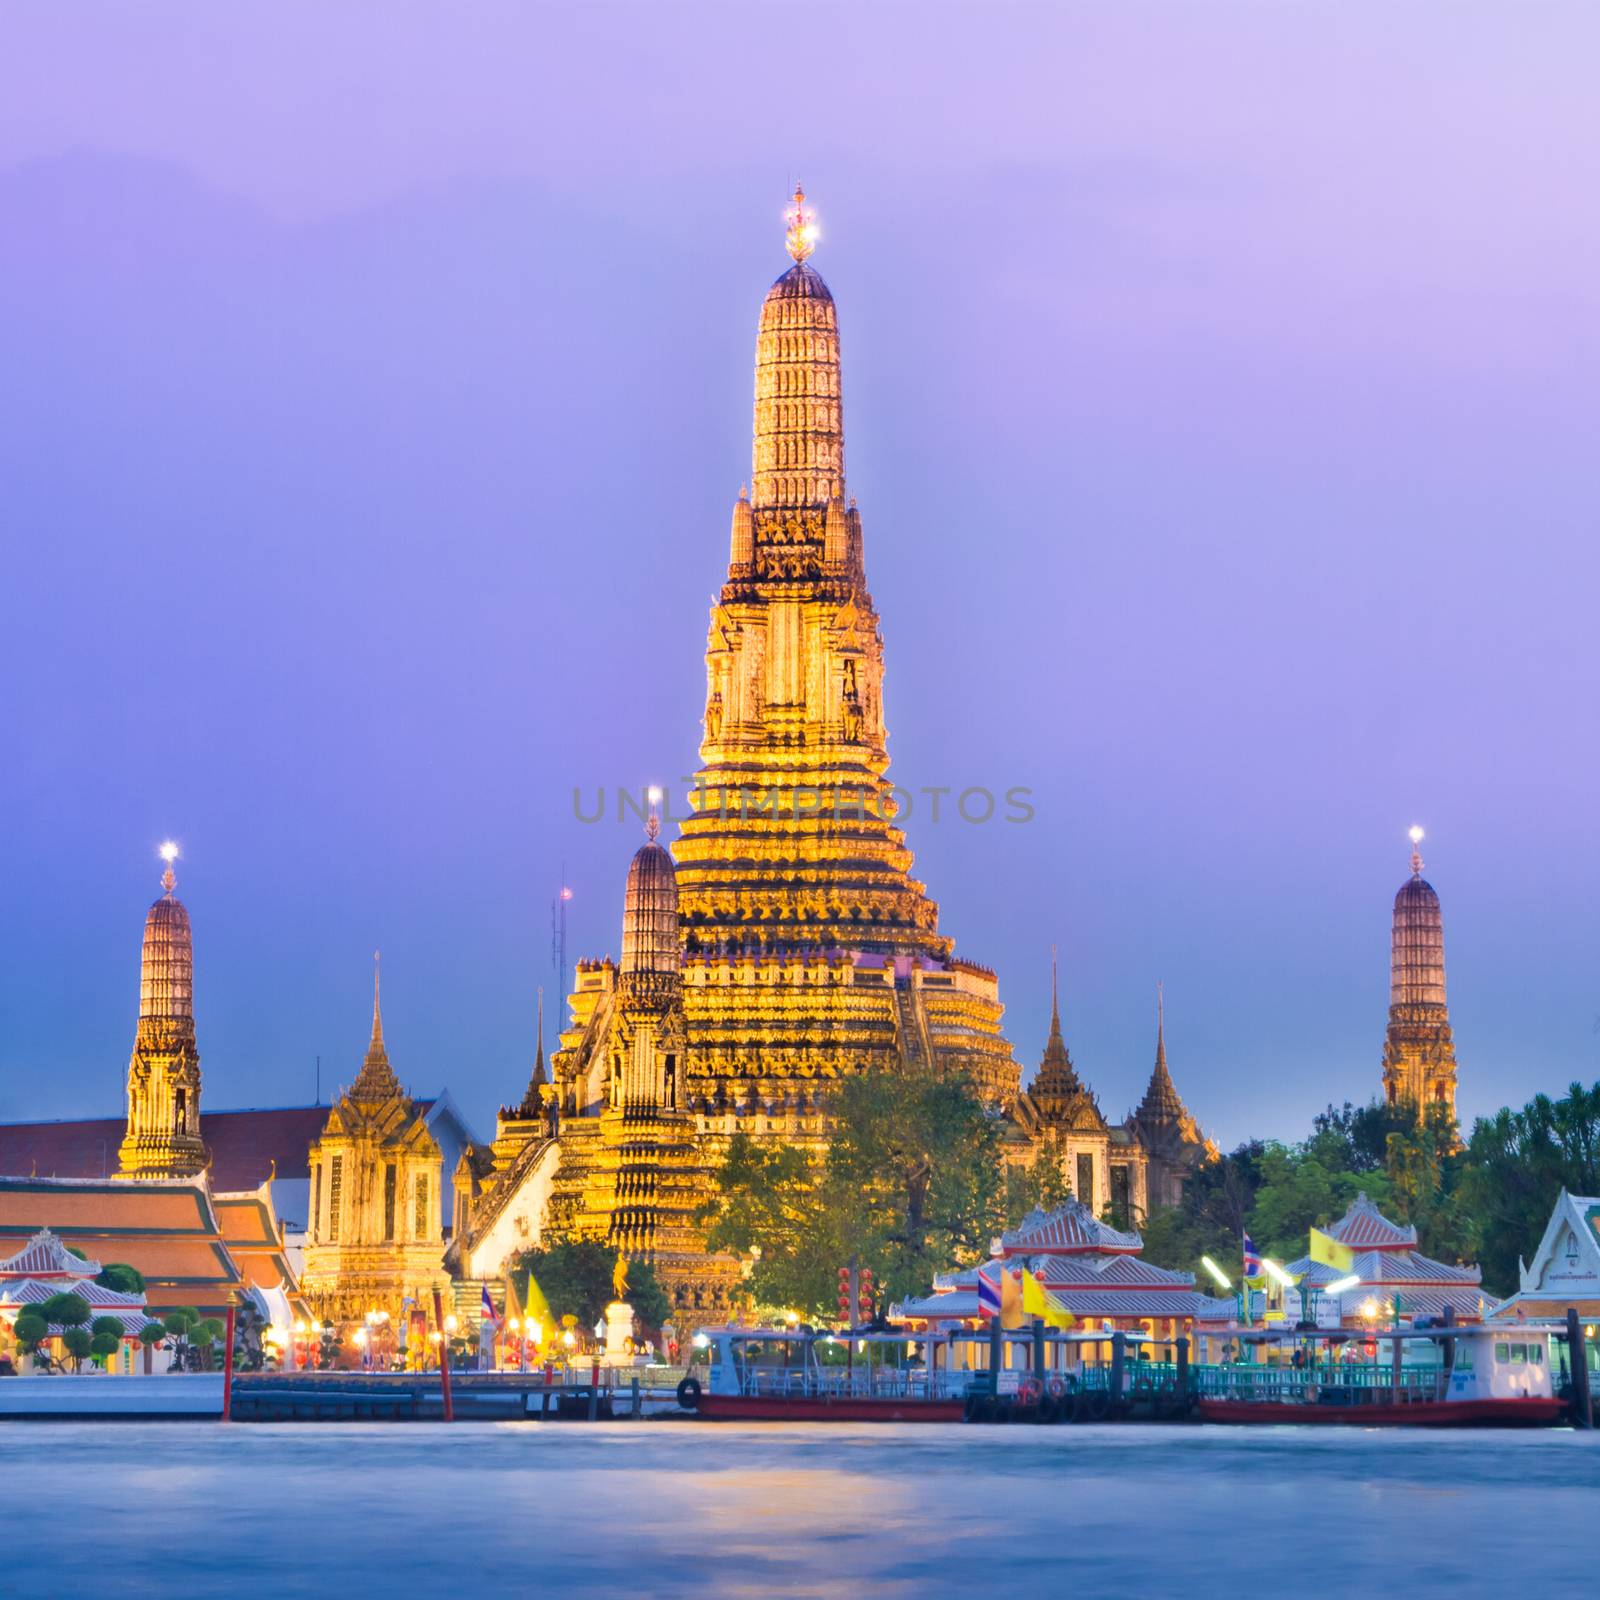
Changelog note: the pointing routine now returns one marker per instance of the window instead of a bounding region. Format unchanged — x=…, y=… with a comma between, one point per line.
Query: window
x=388, y=1200
x=181, y=1120
x=1536, y=1354
x=1085, y=1188
x=335, y=1194
x=1519, y=1355
x=1121, y=1196
x=422, y=1229
x=1502, y=1354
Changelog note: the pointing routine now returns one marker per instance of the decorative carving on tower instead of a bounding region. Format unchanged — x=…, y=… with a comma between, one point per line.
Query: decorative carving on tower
x=163, y=1132
x=1419, y=1051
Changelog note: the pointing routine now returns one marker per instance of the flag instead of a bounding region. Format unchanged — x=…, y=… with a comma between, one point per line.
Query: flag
x=988, y=1296
x=1326, y=1249
x=1036, y=1302
x=513, y=1305
x=489, y=1312
x=1252, y=1258
x=1011, y=1297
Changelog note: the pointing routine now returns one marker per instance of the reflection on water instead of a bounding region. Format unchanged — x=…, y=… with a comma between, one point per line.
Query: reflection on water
x=662, y=1509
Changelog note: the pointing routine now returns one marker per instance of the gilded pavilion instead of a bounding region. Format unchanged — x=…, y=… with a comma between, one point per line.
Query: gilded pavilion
x=1419, y=1050
x=375, y=1238
x=784, y=941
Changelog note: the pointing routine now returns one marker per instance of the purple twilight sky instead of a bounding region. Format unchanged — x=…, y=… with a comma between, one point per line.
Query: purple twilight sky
x=1221, y=398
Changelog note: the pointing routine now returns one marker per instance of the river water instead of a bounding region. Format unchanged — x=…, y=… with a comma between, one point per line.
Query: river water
x=191, y=1511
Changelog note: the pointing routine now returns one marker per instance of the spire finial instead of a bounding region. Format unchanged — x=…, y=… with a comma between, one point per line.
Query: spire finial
x=377, y=1015
x=1055, y=1003
x=1416, y=850
x=169, y=853
x=652, y=826
x=802, y=235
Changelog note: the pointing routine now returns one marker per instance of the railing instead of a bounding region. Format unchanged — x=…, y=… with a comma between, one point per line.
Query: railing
x=840, y=1383
x=1349, y=1386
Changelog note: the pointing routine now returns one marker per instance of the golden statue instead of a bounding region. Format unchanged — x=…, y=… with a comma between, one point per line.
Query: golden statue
x=619, y=1276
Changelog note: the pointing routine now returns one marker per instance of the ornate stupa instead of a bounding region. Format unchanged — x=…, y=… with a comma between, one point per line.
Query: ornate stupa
x=163, y=1132
x=1419, y=1051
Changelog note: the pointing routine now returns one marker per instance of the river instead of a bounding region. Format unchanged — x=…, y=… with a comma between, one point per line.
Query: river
x=191, y=1511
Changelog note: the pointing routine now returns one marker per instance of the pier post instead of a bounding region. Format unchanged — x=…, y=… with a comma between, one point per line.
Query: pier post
x=1119, y=1351
x=1181, y=1378
x=996, y=1345
x=227, y=1360
x=1578, y=1366
x=444, y=1358
x=637, y=1409
x=1038, y=1348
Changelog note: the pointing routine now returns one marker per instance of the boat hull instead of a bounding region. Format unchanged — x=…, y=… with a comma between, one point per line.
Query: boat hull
x=1526, y=1413
x=823, y=1408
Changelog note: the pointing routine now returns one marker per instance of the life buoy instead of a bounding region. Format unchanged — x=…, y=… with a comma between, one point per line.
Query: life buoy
x=1029, y=1392
x=1097, y=1405
x=689, y=1394
x=1057, y=1388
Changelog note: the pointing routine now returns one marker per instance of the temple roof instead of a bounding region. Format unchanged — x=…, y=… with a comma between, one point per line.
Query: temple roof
x=45, y=1256
x=1074, y=1227
x=1057, y=1091
x=1364, y=1227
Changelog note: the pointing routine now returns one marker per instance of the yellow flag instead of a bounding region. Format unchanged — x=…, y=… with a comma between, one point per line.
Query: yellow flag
x=1326, y=1249
x=1011, y=1297
x=1036, y=1302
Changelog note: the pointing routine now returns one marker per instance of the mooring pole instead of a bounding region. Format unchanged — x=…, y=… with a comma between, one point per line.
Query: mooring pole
x=1578, y=1362
x=1038, y=1348
x=1119, y=1350
x=444, y=1358
x=996, y=1346
x=1181, y=1379
x=227, y=1363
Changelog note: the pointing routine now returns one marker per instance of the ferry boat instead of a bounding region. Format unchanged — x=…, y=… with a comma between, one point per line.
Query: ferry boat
x=798, y=1375
x=1410, y=1377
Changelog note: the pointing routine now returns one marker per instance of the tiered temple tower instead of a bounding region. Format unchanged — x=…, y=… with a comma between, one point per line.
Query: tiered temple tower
x=163, y=1132
x=1419, y=1051
x=808, y=951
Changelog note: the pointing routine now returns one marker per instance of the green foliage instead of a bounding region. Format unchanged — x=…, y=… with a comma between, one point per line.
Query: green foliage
x=65, y=1311
x=1302, y=1188
x=1515, y=1167
x=107, y=1328
x=649, y=1300
x=180, y=1321
x=1212, y=1216
x=910, y=1185
x=152, y=1333
x=121, y=1277
x=77, y=1342
x=571, y=1277
x=29, y=1330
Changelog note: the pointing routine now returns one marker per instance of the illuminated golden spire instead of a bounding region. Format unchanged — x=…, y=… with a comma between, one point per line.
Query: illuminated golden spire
x=802, y=220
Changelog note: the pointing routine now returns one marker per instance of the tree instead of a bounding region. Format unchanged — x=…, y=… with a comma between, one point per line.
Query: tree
x=179, y=1324
x=910, y=1185
x=121, y=1277
x=205, y=1336
x=150, y=1335
x=1515, y=1167
x=1302, y=1188
x=77, y=1342
x=569, y=1277
x=30, y=1331
x=649, y=1300
x=107, y=1335
x=1212, y=1217
x=65, y=1311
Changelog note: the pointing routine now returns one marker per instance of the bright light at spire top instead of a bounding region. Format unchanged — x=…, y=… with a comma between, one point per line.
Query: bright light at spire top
x=802, y=220
x=653, y=793
x=168, y=851
x=1416, y=834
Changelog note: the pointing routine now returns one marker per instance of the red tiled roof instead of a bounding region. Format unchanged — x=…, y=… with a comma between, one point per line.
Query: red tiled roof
x=1070, y=1228
x=243, y=1145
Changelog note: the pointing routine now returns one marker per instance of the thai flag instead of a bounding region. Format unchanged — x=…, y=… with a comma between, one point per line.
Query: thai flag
x=988, y=1297
x=489, y=1312
x=1252, y=1259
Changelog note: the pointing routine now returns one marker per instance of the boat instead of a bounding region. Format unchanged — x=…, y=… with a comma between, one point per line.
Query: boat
x=1406, y=1377
x=756, y=1374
